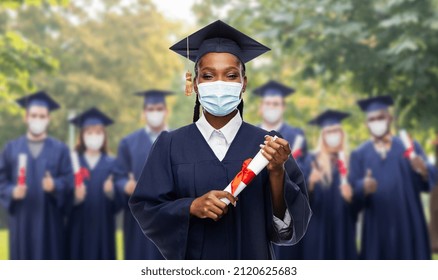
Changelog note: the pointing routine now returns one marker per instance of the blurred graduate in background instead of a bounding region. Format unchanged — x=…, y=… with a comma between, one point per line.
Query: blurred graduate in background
x=91, y=222
x=178, y=198
x=35, y=181
x=332, y=230
x=132, y=153
x=388, y=178
x=272, y=108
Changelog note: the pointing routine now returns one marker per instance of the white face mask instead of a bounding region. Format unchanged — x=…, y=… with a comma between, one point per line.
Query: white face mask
x=38, y=126
x=155, y=119
x=220, y=98
x=378, y=128
x=272, y=115
x=94, y=142
x=333, y=140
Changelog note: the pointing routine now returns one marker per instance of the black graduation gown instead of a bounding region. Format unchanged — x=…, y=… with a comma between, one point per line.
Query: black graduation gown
x=131, y=156
x=182, y=167
x=91, y=224
x=36, y=223
x=394, y=223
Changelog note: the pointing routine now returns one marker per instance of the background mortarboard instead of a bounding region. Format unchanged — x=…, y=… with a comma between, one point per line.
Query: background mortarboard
x=375, y=103
x=40, y=98
x=154, y=96
x=92, y=116
x=329, y=117
x=221, y=38
x=273, y=88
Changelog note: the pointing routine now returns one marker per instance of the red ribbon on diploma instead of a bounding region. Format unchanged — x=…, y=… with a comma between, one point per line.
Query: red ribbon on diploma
x=409, y=151
x=297, y=153
x=245, y=175
x=342, y=168
x=82, y=174
x=22, y=176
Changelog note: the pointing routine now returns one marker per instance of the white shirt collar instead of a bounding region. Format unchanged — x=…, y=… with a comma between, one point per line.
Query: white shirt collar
x=229, y=130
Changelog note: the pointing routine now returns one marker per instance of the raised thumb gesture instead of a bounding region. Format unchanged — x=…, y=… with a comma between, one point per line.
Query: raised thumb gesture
x=48, y=183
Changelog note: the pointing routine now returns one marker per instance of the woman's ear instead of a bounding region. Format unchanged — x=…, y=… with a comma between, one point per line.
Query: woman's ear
x=245, y=81
x=195, y=85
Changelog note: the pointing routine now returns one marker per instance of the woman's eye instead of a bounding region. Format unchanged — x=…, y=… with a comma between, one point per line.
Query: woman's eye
x=207, y=76
x=232, y=76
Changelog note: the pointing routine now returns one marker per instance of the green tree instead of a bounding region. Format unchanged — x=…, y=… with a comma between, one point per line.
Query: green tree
x=366, y=47
x=105, y=56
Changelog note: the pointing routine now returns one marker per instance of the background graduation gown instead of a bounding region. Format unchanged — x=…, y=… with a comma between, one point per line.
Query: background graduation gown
x=182, y=167
x=132, y=154
x=289, y=133
x=91, y=224
x=332, y=231
x=394, y=223
x=36, y=223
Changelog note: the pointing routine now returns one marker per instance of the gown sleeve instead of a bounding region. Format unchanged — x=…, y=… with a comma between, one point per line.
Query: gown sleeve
x=122, y=167
x=162, y=215
x=356, y=179
x=297, y=203
x=6, y=180
x=64, y=179
x=432, y=180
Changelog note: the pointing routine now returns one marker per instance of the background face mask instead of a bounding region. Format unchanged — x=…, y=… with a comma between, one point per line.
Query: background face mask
x=219, y=98
x=378, y=128
x=38, y=126
x=333, y=140
x=271, y=115
x=155, y=119
x=94, y=141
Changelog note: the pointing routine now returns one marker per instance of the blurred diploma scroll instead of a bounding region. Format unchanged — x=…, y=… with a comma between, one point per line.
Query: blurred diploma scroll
x=298, y=146
x=76, y=169
x=409, y=145
x=342, y=167
x=22, y=161
x=250, y=169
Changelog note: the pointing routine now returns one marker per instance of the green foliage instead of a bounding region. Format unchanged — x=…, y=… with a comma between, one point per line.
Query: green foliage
x=104, y=58
x=346, y=50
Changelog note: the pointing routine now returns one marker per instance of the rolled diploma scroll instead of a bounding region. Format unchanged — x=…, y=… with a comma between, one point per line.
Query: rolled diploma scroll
x=76, y=168
x=342, y=167
x=410, y=152
x=255, y=166
x=298, y=144
x=22, y=161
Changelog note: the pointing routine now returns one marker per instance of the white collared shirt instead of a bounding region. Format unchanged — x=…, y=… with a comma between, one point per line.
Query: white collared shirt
x=220, y=140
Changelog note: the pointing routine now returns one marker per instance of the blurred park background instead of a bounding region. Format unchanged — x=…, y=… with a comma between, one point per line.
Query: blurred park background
x=99, y=52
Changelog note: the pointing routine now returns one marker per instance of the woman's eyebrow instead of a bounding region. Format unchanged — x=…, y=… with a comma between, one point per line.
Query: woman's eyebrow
x=207, y=68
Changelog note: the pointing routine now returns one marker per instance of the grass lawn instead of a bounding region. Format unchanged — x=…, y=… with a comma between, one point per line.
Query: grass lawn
x=4, y=248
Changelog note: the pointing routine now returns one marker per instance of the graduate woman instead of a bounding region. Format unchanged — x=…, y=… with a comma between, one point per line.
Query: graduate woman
x=35, y=181
x=331, y=232
x=177, y=201
x=91, y=223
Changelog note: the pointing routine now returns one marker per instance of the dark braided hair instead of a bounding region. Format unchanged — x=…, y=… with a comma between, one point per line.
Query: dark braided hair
x=197, y=110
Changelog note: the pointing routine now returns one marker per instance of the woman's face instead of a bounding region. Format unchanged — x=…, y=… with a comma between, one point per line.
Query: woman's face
x=220, y=67
x=333, y=137
x=94, y=137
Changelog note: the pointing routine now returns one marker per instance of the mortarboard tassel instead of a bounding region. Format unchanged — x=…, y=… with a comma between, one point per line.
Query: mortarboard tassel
x=189, y=82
